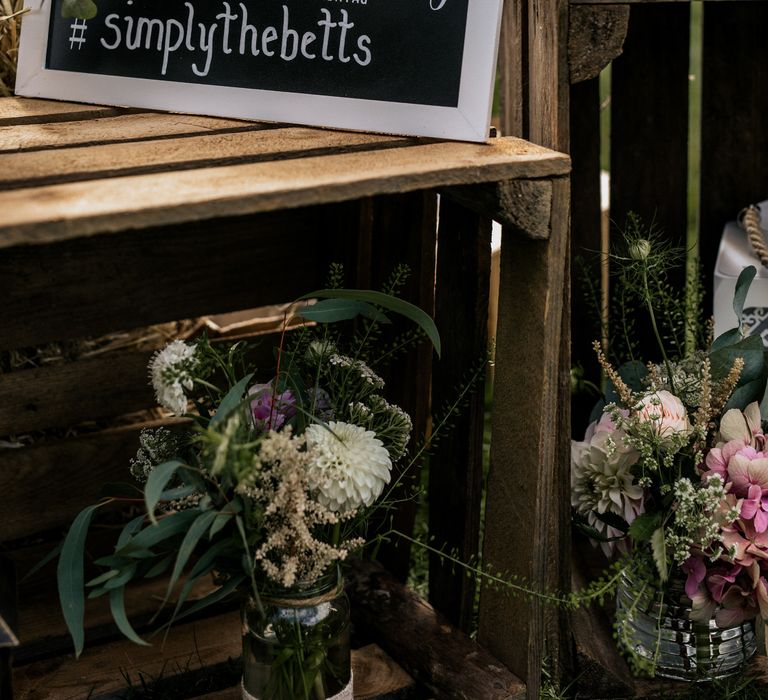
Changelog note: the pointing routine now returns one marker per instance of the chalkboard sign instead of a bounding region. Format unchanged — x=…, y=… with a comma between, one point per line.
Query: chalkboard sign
x=419, y=67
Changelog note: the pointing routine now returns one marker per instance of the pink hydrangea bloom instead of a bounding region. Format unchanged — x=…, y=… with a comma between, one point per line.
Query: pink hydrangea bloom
x=755, y=507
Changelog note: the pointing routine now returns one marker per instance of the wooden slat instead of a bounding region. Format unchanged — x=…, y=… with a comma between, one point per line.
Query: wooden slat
x=89, y=287
x=45, y=486
x=117, y=129
x=42, y=630
x=59, y=212
x=68, y=393
x=649, y=121
x=527, y=473
x=21, y=110
x=456, y=467
x=422, y=640
x=35, y=168
x=734, y=153
x=197, y=645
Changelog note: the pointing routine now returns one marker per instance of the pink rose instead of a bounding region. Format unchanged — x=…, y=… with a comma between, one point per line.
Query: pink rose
x=666, y=413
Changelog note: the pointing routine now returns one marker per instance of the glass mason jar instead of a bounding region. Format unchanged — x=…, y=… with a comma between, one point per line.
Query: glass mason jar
x=655, y=623
x=296, y=644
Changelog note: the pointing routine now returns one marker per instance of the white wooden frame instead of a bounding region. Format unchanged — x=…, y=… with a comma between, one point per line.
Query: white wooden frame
x=468, y=122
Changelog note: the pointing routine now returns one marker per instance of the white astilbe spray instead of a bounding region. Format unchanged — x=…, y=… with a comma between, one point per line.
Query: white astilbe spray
x=350, y=466
x=171, y=371
x=280, y=484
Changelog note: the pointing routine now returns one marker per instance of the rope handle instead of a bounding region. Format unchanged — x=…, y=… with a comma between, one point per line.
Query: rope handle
x=749, y=220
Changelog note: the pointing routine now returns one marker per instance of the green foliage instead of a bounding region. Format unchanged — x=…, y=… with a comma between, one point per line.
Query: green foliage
x=80, y=9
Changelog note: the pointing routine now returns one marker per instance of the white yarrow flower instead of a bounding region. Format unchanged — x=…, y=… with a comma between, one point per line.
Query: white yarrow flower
x=170, y=370
x=350, y=467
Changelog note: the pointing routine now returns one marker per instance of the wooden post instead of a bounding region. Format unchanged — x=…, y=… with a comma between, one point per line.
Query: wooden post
x=525, y=508
x=527, y=512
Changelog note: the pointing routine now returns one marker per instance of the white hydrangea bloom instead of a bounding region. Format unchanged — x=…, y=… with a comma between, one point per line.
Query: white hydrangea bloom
x=170, y=371
x=350, y=468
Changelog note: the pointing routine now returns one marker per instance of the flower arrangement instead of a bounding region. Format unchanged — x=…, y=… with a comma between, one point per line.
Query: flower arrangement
x=672, y=474
x=267, y=488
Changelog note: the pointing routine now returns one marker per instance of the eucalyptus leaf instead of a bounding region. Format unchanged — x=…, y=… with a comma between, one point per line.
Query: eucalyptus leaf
x=106, y=576
x=333, y=310
x=167, y=527
x=643, y=527
x=124, y=577
x=385, y=301
x=223, y=516
x=70, y=575
x=742, y=289
x=746, y=394
x=731, y=337
x=188, y=544
x=214, y=597
x=232, y=400
x=117, y=607
x=632, y=374
x=156, y=482
x=750, y=349
x=129, y=531
x=79, y=9
x=659, y=550
x=160, y=568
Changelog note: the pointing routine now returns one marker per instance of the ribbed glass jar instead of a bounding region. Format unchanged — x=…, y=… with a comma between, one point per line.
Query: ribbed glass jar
x=296, y=644
x=650, y=619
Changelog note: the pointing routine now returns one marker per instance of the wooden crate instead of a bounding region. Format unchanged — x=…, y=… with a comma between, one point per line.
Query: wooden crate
x=117, y=219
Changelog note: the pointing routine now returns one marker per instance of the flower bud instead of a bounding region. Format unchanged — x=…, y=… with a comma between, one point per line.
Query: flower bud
x=640, y=249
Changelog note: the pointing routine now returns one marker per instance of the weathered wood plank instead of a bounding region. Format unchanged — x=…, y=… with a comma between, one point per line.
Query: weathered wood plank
x=595, y=37
x=101, y=671
x=734, y=135
x=513, y=70
x=123, y=127
x=420, y=639
x=89, y=287
x=548, y=73
x=59, y=212
x=23, y=110
x=36, y=168
x=60, y=479
x=522, y=205
x=456, y=467
x=527, y=470
x=649, y=121
x=64, y=394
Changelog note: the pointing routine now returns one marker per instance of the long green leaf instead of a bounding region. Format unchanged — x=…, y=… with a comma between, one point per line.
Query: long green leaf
x=333, y=310
x=70, y=576
x=156, y=483
x=223, y=516
x=117, y=606
x=211, y=598
x=129, y=531
x=386, y=301
x=742, y=289
x=188, y=544
x=169, y=526
x=232, y=400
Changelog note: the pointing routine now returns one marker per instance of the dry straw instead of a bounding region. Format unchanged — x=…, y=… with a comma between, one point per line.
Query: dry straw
x=10, y=27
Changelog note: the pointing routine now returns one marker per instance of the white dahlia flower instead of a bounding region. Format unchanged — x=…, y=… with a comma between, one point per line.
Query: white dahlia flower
x=350, y=466
x=171, y=372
